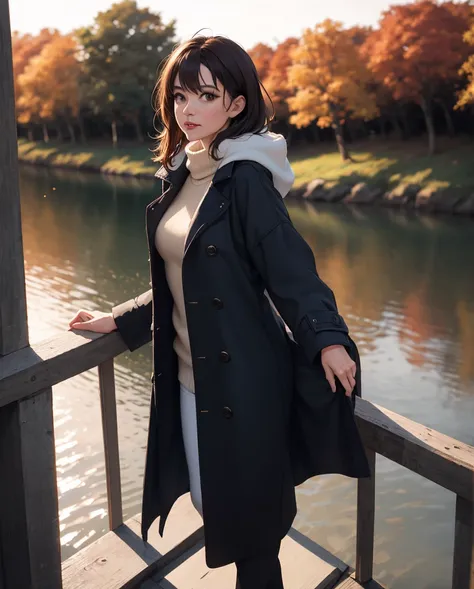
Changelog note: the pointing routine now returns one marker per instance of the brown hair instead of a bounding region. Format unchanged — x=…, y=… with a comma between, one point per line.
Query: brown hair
x=233, y=67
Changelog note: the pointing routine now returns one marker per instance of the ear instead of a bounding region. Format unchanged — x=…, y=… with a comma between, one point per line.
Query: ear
x=237, y=106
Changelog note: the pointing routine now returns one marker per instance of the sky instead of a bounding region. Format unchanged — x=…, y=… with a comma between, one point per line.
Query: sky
x=245, y=21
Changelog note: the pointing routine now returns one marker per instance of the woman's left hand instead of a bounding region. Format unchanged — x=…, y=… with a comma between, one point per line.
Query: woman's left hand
x=337, y=362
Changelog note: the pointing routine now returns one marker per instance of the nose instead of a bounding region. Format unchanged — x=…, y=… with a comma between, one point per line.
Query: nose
x=189, y=108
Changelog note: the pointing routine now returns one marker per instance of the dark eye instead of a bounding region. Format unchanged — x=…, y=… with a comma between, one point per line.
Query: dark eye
x=209, y=96
x=178, y=95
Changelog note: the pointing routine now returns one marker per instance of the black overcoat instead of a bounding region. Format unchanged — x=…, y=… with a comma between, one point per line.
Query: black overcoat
x=242, y=244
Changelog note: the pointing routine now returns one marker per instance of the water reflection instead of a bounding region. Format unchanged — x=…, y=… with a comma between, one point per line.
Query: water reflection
x=403, y=283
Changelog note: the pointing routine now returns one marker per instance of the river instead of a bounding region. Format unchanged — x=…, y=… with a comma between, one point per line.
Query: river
x=405, y=285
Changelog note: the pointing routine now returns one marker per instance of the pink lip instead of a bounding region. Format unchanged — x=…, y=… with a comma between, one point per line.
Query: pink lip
x=191, y=125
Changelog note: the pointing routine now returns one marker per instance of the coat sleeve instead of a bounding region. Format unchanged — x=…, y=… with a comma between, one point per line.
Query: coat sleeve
x=286, y=263
x=133, y=320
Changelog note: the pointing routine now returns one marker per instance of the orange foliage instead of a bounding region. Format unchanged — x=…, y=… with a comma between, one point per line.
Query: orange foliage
x=24, y=48
x=261, y=55
x=467, y=95
x=417, y=47
x=56, y=67
x=330, y=78
x=276, y=81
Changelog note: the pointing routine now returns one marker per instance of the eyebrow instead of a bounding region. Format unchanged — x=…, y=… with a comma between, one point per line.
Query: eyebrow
x=202, y=87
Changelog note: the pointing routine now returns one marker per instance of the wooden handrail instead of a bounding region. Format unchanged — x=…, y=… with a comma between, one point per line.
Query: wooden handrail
x=433, y=455
x=51, y=361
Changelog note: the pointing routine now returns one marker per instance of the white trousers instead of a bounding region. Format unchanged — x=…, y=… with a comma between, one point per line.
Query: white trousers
x=190, y=438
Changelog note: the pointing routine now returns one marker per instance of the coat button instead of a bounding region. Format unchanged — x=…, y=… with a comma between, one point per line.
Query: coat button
x=224, y=356
x=227, y=412
x=211, y=250
x=217, y=303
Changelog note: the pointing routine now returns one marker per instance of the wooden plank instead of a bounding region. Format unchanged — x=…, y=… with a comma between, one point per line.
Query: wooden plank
x=463, y=566
x=28, y=503
x=433, y=455
x=121, y=560
x=305, y=565
x=348, y=583
x=111, y=445
x=51, y=361
x=365, y=523
x=13, y=324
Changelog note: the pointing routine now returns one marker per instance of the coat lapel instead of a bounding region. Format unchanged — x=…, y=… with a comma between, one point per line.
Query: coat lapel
x=214, y=204
x=173, y=181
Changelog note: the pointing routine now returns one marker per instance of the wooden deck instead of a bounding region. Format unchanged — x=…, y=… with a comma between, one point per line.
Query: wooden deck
x=177, y=561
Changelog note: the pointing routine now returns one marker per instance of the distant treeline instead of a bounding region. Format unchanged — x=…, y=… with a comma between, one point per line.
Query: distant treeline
x=414, y=73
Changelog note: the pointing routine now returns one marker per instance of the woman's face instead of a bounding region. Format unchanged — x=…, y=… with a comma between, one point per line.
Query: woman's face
x=201, y=116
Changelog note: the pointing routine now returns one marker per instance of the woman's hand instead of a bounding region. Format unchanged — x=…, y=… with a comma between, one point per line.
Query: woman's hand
x=337, y=362
x=98, y=322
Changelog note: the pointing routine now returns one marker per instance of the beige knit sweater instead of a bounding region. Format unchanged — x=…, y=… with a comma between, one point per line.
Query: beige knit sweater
x=170, y=239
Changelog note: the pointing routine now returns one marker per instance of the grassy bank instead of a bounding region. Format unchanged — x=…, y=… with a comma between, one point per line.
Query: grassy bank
x=373, y=162
x=134, y=160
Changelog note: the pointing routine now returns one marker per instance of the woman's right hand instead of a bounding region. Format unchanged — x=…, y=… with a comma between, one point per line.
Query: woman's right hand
x=97, y=321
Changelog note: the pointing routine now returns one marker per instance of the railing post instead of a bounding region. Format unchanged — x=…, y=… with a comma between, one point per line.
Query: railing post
x=365, y=523
x=13, y=325
x=111, y=447
x=463, y=565
x=29, y=528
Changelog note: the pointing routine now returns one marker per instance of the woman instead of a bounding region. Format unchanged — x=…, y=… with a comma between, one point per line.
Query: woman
x=220, y=240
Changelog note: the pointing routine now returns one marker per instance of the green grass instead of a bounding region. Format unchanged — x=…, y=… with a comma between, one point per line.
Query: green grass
x=377, y=162
x=132, y=159
x=392, y=163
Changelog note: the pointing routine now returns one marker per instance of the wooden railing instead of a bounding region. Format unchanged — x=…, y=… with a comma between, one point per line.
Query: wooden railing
x=27, y=460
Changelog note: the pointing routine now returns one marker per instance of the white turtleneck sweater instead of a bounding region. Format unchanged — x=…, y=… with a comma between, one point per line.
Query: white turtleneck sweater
x=170, y=239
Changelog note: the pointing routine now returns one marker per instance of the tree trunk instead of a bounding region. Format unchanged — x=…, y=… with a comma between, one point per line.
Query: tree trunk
x=31, y=136
x=138, y=129
x=45, y=133
x=70, y=128
x=397, y=129
x=59, y=133
x=82, y=129
x=114, y=133
x=426, y=108
x=448, y=118
x=405, y=122
x=315, y=133
x=341, y=144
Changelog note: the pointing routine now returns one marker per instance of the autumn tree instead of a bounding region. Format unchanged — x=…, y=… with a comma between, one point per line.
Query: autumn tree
x=24, y=48
x=467, y=95
x=330, y=79
x=122, y=51
x=60, y=70
x=417, y=49
x=48, y=87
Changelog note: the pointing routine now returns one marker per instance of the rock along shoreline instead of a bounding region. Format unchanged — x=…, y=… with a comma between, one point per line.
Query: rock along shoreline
x=412, y=196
